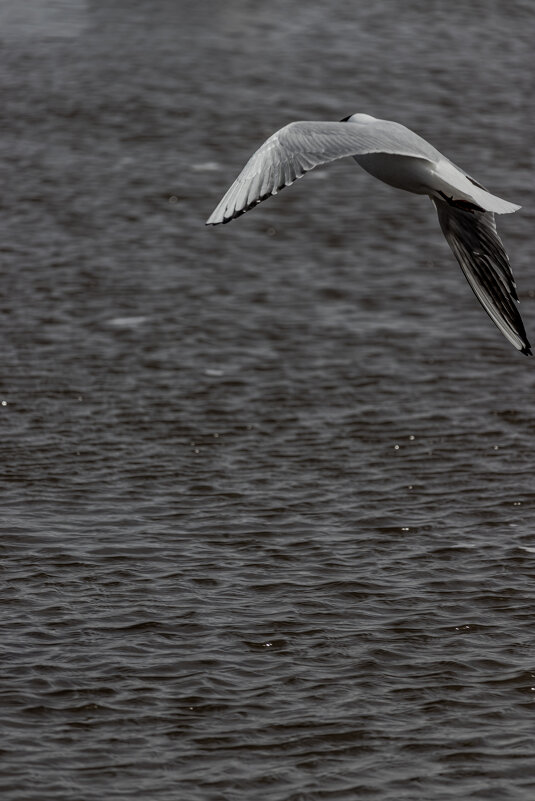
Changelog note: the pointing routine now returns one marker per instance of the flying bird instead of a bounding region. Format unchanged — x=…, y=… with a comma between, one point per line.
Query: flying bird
x=398, y=157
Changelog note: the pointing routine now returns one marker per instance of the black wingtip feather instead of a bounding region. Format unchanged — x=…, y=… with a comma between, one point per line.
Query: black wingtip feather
x=249, y=206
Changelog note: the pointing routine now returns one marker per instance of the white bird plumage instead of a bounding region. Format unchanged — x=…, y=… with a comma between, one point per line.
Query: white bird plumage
x=399, y=157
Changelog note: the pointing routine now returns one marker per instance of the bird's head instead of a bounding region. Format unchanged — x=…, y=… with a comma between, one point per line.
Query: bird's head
x=358, y=118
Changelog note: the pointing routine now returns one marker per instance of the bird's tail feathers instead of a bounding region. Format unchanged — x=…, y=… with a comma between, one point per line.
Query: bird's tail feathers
x=494, y=203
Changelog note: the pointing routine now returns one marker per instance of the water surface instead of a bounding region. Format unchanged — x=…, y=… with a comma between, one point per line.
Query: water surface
x=268, y=502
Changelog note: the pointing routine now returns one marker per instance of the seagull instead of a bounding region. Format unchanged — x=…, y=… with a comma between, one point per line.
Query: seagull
x=399, y=157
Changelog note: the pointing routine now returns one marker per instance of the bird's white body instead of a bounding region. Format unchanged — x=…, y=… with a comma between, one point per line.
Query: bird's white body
x=398, y=157
x=403, y=172
x=430, y=173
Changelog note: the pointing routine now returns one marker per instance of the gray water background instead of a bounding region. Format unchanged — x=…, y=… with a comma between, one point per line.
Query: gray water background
x=267, y=489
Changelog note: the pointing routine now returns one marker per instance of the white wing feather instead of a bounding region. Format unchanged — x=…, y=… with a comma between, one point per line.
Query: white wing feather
x=300, y=146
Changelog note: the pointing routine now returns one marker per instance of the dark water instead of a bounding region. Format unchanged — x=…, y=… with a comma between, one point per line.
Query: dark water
x=268, y=497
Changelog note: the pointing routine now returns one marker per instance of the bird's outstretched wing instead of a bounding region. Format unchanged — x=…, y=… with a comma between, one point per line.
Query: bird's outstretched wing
x=300, y=146
x=472, y=236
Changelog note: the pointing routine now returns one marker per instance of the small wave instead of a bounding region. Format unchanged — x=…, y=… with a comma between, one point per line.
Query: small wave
x=127, y=322
x=206, y=166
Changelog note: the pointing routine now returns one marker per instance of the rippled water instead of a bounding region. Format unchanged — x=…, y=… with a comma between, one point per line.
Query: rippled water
x=268, y=495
